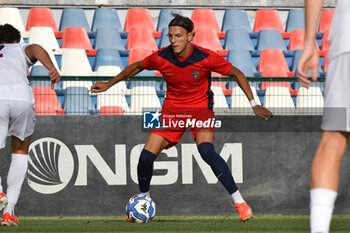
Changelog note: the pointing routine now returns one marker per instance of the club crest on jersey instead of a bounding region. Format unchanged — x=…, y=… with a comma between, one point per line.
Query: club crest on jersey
x=195, y=74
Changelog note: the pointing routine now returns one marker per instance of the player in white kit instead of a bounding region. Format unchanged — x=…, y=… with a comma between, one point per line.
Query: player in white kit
x=336, y=116
x=17, y=116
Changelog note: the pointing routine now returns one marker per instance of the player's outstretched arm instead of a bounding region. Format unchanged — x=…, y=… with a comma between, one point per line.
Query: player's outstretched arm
x=37, y=53
x=128, y=72
x=239, y=77
x=309, y=58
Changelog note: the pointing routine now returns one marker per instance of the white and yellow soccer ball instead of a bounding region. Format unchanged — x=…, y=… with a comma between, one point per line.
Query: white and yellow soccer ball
x=140, y=209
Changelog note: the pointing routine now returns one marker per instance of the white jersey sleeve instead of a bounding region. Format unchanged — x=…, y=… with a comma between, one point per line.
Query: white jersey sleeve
x=14, y=65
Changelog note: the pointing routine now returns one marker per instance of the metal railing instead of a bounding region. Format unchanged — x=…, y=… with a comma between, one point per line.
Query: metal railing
x=72, y=96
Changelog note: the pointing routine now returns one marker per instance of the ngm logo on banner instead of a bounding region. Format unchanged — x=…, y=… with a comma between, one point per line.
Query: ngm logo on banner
x=51, y=165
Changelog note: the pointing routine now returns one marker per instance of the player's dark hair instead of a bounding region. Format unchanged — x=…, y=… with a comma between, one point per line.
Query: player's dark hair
x=9, y=34
x=182, y=21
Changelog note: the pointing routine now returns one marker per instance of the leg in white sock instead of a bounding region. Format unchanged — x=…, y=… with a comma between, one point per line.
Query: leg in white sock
x=322, y=204
x=237, y=197
x=15, y=178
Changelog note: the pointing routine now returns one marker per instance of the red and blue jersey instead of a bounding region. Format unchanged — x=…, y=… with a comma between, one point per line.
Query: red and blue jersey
x=189, y=79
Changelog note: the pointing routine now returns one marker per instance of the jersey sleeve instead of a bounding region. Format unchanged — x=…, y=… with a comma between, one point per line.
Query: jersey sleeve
x=219, y=64
x=150, y=62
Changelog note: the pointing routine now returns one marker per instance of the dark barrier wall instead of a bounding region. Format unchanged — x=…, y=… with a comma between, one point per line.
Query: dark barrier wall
x=86, y=165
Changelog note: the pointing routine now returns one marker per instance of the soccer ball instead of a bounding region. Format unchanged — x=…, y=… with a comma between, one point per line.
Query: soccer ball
x=140, y=209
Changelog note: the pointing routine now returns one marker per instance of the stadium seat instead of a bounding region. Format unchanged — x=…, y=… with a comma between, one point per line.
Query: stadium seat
x=40, y=70
x=268, y=19
x=108, y=70
x=295, y=20
x=108, y=38
x=205, y=18
x=325, y=62
x=207, y=38
x=108, y=57
x=11, y=16
x=242, y=60
x=75, y=63
x=111, y=110
x=140, y=38
x=43, y=36
x=114, y=96
x=240, y=104
x=138, y=18
x=106, y=18
x=76, y=38
x=164, y=39
x=235, y=19
x=46, y=102
x=73, y=17
x=40, y=17
x=238, y=39
x=279, y=101
x=273, y=58
x=142, y=97
x=270, y=39
x=77, y=101
x=324, y=43
x=325, y=20
x=138, y=55
x=310, y=101
x=220, y=103
x=296, y=40
x=165, y=16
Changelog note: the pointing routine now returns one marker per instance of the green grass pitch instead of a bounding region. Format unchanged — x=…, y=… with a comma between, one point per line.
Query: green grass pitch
x=217, y=224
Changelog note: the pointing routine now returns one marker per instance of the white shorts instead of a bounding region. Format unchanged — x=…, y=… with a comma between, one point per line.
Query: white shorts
x=17, y=118
x=336, y=114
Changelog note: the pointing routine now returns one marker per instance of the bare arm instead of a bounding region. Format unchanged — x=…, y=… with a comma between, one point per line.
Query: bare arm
x=244, y=85
x=128, y=72
x=36, y=52
x=309, y=58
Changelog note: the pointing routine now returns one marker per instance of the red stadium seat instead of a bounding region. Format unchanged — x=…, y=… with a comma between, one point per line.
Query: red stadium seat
x=273, y=58
x=46, y=102
x=139, y=18
x=208, y=38
x=324, y=43
x=140, y=38
x=296, y=40
x=41, y=17
x=325, y=62
x=111, y=110
x=326, y=20
x=76, y=38
x=136, y=55
x=205, y=18
x=268, y=19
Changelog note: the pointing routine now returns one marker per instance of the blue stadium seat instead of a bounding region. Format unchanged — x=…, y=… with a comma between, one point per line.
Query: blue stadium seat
x=77, y=101
x=270, y=39
x=73, y=17
x=40, y=70
x=165, y=17
x=238, y=39
x=108, y=38
x=242, y=60
x=106, y=17
x=108, y=57
x=236, y=19
x=164, y=39
x=295, y=20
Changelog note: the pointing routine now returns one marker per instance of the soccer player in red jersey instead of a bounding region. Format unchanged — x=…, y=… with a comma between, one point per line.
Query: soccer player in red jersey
x=186, y=69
